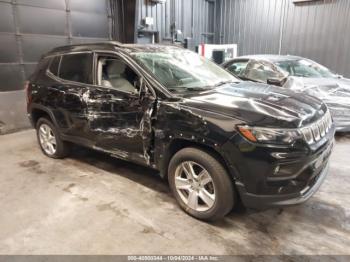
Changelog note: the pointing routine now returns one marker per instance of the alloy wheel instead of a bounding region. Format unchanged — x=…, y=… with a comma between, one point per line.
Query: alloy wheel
x=195, y=186
x=47, y=139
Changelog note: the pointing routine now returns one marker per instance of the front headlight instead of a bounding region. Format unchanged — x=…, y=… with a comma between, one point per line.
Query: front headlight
x=269, y=135
x=311, y=133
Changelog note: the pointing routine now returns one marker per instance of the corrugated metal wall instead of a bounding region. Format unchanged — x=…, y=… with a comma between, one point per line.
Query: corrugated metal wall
x=29, y=28
x=318, y=30
x=195, y=18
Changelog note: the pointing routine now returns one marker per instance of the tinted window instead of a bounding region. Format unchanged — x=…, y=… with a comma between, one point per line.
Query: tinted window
x=237, y=68
x=261, y=71
x=77, y=68
x=55, y=62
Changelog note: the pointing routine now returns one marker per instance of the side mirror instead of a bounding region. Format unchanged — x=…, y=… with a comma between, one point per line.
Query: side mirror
x=276, y=81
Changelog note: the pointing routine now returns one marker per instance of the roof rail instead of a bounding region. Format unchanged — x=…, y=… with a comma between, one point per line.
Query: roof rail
x=60, y=48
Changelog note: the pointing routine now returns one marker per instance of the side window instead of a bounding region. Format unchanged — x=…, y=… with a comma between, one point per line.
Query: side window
x=77, y=68
x=116, y=74
x=261, y=71
x=237, y=68
x=55, y=63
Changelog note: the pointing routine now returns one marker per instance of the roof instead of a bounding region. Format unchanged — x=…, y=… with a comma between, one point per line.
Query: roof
x=271, y=58
x=110, y=46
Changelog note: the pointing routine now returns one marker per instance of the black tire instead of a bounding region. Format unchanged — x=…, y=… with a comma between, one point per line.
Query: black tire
x=225, y=195
x=61, y=148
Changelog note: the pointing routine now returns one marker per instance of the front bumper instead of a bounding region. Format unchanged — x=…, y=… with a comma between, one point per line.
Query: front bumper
x=275, y=176
x=266, y=201
x=341, y=118
x=341, y=124
x=343, y=129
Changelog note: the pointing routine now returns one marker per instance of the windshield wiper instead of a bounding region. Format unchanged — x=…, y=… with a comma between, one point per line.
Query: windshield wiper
x=181, y=89
x=221, y=83
x=198, y=88
x=190, y=89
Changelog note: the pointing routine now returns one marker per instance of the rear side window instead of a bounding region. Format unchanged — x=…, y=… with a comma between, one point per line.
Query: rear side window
x=77, y=68
x=55, y=63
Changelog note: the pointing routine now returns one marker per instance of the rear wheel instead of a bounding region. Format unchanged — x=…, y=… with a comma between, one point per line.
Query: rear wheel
x=201, y=184
x=49, y=140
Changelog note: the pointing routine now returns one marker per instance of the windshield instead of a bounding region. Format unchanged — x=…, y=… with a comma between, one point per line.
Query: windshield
x=182, y=70
x=304, y=68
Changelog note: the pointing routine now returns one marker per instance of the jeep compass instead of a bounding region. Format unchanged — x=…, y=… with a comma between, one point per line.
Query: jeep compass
x=216, y=139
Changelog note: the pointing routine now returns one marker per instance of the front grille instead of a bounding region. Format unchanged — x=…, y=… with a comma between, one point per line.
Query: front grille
x=316, y=131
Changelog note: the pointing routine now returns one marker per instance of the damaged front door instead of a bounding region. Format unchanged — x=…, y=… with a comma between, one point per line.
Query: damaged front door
x=119, y=114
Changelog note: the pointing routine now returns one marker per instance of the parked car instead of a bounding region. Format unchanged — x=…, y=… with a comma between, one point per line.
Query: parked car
x=300, y=75
x=211, y=135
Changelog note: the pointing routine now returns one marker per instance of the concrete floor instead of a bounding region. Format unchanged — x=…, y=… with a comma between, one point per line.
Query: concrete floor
x=91, y=203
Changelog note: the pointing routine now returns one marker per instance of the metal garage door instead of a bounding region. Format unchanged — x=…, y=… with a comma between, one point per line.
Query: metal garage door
x=29, y=28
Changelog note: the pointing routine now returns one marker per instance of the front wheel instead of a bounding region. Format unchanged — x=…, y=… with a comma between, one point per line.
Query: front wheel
x=201, y=184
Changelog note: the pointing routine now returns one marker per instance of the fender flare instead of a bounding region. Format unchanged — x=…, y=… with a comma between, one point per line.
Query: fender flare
x=46, y=110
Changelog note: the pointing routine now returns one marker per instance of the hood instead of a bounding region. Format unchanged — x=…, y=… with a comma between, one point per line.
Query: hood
x=259, y=105
x=331, y=90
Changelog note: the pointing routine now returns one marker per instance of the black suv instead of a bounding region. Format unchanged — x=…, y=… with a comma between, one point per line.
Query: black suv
x=216, y=139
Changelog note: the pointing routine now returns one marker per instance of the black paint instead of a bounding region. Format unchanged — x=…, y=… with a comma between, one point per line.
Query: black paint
x=149, y=127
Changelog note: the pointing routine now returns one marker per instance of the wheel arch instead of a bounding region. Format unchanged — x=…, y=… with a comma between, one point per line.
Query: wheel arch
x=177, y=144
x=38, y=111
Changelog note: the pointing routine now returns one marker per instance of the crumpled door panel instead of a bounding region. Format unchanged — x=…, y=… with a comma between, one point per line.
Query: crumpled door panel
x=119, y=123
